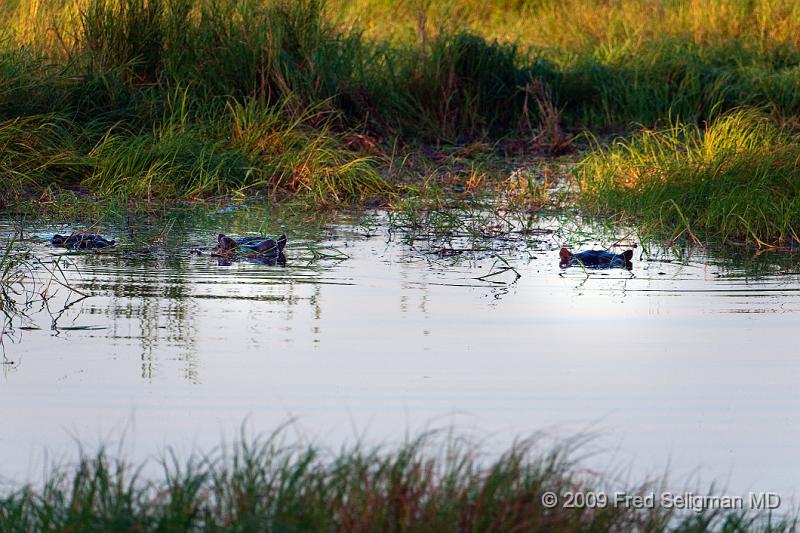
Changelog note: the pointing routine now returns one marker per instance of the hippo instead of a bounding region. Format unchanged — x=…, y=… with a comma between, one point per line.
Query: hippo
x=268, y=260
x=81, y=241
x=250, y=245
x=596, y=259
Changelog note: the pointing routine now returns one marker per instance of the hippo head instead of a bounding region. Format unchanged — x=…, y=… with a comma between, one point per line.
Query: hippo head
x=225, y=243
x=628, y=256
x=58, y=240
x=565, y=255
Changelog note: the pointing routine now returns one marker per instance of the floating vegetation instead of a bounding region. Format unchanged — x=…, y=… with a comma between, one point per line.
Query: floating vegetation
x=22, y=286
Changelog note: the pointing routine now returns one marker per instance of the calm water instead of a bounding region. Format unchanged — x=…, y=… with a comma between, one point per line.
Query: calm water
x=688, y=367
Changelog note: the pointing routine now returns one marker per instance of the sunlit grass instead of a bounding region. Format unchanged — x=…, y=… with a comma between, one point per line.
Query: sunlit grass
x=155, y=99
x=448, y=82
x=736, y=180
x=591, y=23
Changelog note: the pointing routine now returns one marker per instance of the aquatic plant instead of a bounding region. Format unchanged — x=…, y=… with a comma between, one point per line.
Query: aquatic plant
x=13, y=267
x=26, y=280
x=10, y=275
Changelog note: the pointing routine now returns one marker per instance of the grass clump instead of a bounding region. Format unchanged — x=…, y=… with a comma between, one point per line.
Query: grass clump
x=268, y=485
x=247, y=148
x=292, y=156
x=35, y=151
x=186, y=155
x=734, y=180
x=460, y=86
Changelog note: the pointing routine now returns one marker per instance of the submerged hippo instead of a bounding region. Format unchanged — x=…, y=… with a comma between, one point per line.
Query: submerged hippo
x=250, y=245
x=81, y=241
x=596, y=259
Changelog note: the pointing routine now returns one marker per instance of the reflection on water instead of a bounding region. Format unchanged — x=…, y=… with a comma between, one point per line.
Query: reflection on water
x=683, y=359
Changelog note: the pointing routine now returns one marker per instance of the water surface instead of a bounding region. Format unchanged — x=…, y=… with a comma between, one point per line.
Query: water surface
x=687, y=366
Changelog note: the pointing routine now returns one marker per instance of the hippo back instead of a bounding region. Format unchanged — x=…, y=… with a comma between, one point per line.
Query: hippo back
x=603, y=259
x=596, y=259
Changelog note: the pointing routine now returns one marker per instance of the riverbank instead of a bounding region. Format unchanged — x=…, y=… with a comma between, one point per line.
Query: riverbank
x=166, y=100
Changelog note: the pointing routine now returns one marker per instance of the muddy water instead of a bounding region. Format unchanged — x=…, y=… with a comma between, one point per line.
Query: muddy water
x=683, y=365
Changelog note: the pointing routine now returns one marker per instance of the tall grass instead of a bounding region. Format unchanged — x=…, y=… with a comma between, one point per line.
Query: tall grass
x=448, y=81
x=37, y=150
x=297, y=159
x=251, y=148
x=575, y=25
x=100, y=77
x=166, y=98
x=736, y=180
x=269, y=485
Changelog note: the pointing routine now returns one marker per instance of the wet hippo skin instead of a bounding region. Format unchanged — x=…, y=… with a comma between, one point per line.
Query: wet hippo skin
x=596, y=259
x=81, y=241
x=256, y=245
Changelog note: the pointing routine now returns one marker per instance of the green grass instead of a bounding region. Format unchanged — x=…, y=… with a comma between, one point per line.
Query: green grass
x=121, y=58
x=245, y=148
x=270, y=485
x=734, y=181
x=164, y=99
x=147, y=100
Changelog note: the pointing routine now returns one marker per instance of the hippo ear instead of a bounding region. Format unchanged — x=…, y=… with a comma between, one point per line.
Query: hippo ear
x=565, y=255
x=281, y=242
x=628, y=255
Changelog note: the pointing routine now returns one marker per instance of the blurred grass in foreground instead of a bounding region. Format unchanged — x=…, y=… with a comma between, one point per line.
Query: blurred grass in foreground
x=427, y=484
